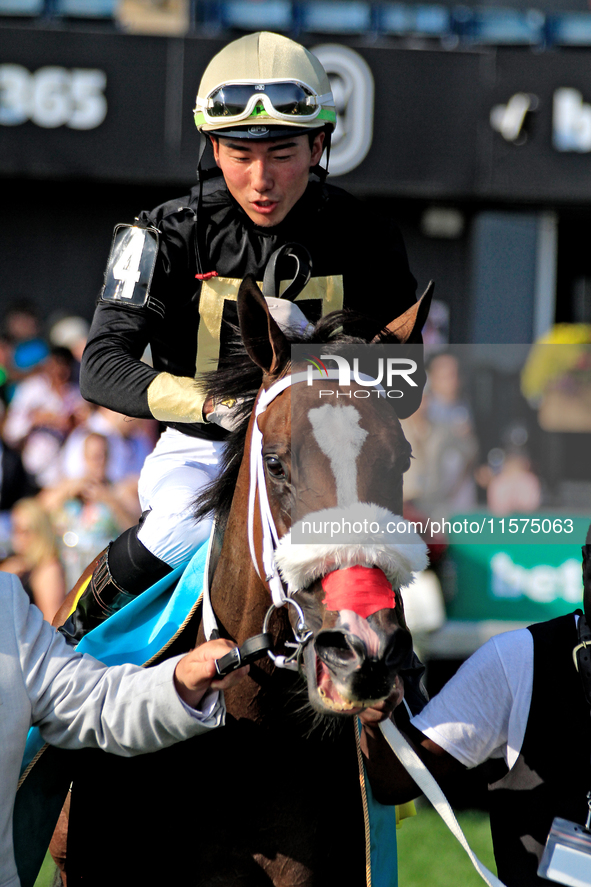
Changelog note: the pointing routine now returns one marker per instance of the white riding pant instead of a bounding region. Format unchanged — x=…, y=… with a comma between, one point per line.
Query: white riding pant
x=177, y=469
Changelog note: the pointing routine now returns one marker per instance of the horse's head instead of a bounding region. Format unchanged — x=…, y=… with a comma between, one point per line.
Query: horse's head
x=328, y=471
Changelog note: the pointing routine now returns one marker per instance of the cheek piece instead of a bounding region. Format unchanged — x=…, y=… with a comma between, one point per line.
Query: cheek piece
x=365, y=590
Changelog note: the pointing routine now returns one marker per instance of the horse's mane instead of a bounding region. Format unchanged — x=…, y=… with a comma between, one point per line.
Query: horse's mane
x=240, y=379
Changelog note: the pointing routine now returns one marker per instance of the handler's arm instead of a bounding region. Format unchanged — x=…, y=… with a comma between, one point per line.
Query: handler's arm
x=77, y=701
x=390, y=782
x=464, y=724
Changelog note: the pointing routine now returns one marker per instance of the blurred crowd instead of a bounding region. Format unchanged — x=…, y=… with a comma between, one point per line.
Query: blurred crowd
x=452, y=473
x=68, y=470
x=449, y=473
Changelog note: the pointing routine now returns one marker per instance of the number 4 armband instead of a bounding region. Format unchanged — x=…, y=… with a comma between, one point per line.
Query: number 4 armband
x=131, y=266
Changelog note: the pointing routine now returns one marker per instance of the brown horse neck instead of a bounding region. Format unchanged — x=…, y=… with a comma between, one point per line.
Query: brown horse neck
x=235, y=566
x=240, y=601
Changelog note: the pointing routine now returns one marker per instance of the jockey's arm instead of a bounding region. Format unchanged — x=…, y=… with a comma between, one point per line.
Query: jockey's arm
x=113, y=374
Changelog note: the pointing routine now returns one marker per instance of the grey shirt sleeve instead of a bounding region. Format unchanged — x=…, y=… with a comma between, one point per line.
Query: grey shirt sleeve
x=77, y=701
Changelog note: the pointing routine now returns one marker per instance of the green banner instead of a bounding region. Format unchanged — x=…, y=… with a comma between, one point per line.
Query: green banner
x=508, y=577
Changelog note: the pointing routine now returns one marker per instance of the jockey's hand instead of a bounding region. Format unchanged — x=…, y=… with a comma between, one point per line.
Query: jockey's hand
x=289, y=317
x=195, y=673
x=370, y=717
x=225, y=413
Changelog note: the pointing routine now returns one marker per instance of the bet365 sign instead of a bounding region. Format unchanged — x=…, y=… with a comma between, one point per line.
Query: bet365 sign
x=52, y=96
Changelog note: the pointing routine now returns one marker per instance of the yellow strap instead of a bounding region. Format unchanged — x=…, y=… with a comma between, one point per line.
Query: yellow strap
x=81, y=591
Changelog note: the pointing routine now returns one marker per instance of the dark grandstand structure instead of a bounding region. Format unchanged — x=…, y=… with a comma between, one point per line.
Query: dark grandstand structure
x=470, y=124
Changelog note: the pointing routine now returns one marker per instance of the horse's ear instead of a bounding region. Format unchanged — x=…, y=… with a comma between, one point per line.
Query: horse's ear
x=263, y=339
x=407, y=328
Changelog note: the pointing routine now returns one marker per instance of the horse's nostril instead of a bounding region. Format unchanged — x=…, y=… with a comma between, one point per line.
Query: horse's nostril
x=398, y=649
x=335, y=648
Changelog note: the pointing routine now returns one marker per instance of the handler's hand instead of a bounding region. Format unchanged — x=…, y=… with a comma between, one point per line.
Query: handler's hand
x=195, y=673
x=370, y=717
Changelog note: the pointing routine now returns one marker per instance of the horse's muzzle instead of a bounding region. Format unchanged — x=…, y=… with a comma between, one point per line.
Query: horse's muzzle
x=359, y=675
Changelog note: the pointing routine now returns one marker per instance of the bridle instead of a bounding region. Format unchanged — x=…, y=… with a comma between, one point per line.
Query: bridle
x=256, y=646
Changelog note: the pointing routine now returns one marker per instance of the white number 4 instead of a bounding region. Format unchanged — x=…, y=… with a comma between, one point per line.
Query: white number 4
x=127, y=267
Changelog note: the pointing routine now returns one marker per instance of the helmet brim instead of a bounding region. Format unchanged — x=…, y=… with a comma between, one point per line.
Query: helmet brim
x=260, y=132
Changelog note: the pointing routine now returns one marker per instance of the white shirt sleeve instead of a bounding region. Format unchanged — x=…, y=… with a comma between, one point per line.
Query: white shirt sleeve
x=482, y=711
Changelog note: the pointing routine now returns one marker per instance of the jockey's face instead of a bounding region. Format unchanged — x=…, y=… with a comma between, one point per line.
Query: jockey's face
x=267, y=178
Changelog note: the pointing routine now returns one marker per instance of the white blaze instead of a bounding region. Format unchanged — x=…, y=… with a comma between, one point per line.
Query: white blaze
x=340, y=437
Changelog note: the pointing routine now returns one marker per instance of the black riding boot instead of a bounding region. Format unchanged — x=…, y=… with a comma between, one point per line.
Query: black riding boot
x=124, y=570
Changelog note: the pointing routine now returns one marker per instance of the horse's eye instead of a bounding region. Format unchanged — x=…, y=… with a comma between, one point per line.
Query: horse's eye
x=274, y=467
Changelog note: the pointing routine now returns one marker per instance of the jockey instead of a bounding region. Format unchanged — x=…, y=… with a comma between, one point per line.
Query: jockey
x=265, y=105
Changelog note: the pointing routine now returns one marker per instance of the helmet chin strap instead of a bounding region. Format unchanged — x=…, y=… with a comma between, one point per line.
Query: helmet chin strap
x=323, y=171
x=200, y=153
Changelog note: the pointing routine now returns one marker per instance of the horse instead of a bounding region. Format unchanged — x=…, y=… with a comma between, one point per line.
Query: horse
x=277, y=797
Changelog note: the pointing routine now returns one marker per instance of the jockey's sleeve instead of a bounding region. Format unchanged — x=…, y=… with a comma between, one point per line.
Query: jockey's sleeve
x=113, y=374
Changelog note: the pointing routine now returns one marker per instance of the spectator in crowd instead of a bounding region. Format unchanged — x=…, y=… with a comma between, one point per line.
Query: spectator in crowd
x=515, y=488
x=44, y=409
x=440, y=480
x=5, y=367
x=15, y=483
x=21, y=321
x=88, y=512
x=26, y=359
x=21, y=330
x=130, y=441
x=70, y=332
x=34, y=557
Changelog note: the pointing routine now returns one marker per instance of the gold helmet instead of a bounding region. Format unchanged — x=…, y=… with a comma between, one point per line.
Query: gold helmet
x=263, y=86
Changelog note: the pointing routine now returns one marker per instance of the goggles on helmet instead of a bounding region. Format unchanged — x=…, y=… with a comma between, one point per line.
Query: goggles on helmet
x=289, y=100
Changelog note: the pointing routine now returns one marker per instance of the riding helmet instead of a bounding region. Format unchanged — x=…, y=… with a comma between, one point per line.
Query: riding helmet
x=268, y=63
